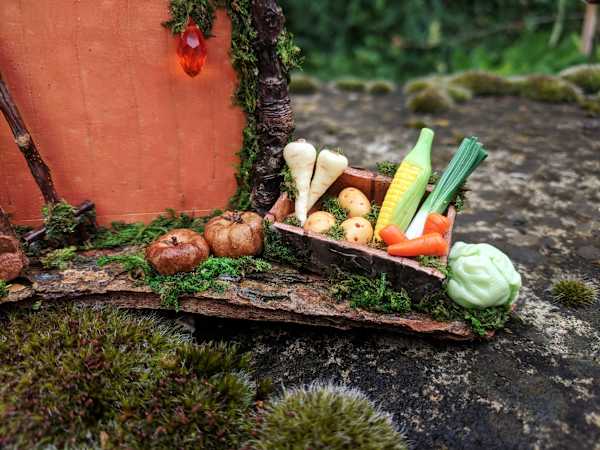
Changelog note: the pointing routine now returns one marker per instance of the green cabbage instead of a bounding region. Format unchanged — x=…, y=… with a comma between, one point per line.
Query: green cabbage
x=481, y=276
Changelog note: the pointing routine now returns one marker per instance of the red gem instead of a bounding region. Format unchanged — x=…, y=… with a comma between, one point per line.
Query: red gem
x=192, y=49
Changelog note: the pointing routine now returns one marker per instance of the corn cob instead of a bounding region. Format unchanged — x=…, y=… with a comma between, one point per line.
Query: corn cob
x=408, y=186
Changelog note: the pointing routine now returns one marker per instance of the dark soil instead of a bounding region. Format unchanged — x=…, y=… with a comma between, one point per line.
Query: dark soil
x=537, y=197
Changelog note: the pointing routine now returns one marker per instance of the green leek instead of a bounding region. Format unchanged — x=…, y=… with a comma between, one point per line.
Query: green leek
x=468, y=156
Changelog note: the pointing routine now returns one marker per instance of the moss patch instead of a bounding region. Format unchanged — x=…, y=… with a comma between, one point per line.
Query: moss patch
x=123, y=234
x=387, y=168
x=483, y=83
x=326, y=417
x=574, y=292
x=100, y=378
x=380, y=87
x=333, y=207
x=430, y=101
x=585, y=76
x=434, y=262
x=59, y=259
x=546, y=88
x=276, y=250
x=368, y=293
x=206, y=277
x=3, y=288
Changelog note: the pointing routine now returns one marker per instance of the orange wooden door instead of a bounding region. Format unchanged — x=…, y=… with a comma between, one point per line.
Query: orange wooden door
x=113, y=114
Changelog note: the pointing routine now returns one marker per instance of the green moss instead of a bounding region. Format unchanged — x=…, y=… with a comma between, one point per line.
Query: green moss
x=336, y=232
x=421, y=84
x=292, y=220
x=546, y=88
x=332, y=206
x=351, y=85
x=483, y=83
x=591, y=104
x=171, y=288
x=122, y=234
x=459, y=94
x=585, y=76
x=387, y=168
x=276, y=250
x=77, y=377
x=380, y=87
x=288, y=184
x=574, y=292
x=374, y=294
x=373, y=214
x=304, y=84
x=326, y=417
x=433, y=262
x=430, y=101
x=3, y=288
x=60, y=258
x=441, y=308
x=60, y=222
x=201, y=11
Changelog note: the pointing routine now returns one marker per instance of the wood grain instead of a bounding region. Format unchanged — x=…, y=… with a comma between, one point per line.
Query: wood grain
x=114, y=115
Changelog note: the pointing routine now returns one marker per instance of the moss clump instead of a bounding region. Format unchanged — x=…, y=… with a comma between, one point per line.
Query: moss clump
x=304, y=84
x=326, y=417
x=421, y=84
x=171, y=288
x=3, y=288
x=292, y=220
x=374, y=214
x=430, y=101
x=546, y=88
x=387, y=168
x=201, y=11
x=59, y=259
x=585, y=76
x=121, y=234
x=336, y=232
x=381, y=87
x=459, y=94
x=100, y=378
x=351, y=85
x=60, y=222
x=333, y=207
x=574, y=292
x=440, y=307
x=288, y=184
x=374, y=294
x=483, y=83
x=276, y=250
x=434, y=262
x=591, y=104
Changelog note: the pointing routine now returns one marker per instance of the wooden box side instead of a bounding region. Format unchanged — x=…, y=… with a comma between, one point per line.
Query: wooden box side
x=323, y=252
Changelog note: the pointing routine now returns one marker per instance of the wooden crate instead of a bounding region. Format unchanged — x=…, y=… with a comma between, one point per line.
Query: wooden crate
x=325, y=254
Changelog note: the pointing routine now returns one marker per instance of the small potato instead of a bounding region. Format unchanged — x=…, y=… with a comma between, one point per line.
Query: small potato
x=355, y=202
x=319, y=222
x=358, y=230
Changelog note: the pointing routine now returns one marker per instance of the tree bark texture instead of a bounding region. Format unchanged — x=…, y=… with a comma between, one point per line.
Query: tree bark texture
x=37, y=166
x=281, y=295
x=275, y=120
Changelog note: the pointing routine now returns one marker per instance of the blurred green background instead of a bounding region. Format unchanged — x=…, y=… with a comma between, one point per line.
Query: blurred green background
x=402, y=39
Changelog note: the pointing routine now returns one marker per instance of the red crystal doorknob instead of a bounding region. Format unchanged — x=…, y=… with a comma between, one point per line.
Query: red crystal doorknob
x=192, y=49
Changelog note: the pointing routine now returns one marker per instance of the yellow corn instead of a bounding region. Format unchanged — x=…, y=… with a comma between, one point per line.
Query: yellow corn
x=408, y=186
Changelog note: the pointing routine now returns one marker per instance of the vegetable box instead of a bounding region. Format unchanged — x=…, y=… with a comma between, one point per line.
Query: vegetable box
x=323, y=254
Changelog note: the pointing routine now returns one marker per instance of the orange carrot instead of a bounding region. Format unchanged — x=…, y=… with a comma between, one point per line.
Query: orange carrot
x=392, y=234
x=432, y=244
x=436, y=223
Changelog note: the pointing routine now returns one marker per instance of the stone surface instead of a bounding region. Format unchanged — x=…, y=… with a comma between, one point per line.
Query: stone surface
x=537, y=197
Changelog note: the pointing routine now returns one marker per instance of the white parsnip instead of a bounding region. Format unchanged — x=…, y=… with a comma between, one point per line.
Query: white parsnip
x=330, y=165
x=300, y=157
